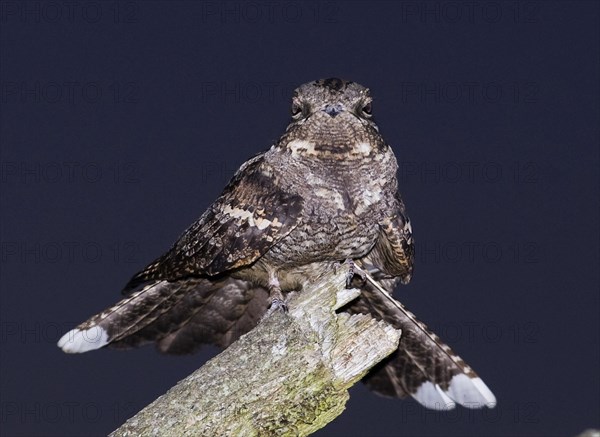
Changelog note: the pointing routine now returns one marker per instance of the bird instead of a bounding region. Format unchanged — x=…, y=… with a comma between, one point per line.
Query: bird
x=324, y=194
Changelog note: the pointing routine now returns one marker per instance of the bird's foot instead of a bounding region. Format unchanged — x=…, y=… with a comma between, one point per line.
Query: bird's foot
x=278, y=304
x=277, y=301
x=353, y=270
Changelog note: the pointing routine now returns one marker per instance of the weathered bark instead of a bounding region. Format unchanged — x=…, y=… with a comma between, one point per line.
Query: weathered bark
x=288, y=376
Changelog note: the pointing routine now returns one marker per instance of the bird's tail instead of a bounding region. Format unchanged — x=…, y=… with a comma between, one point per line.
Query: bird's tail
x=179, y=316
x=423, y=366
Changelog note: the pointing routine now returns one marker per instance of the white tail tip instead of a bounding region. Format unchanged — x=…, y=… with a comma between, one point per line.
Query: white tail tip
x=466, y=391
x=77, y=341
x=471, y=392
x=430, y=395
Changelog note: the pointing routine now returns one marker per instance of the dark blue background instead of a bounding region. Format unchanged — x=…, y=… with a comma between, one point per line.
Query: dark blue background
x=121, y=122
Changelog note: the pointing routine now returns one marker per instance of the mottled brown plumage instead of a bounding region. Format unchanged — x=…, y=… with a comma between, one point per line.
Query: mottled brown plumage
x=326, y=192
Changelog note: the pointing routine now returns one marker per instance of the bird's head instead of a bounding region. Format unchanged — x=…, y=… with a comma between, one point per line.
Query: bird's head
x=332, y=117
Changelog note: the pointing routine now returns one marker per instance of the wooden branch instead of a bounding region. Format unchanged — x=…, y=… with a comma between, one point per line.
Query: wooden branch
x=288, y=376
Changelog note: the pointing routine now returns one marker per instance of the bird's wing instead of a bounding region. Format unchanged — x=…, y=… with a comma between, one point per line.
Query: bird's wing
x=185, y=298
x=393, y=253
x=252, y=214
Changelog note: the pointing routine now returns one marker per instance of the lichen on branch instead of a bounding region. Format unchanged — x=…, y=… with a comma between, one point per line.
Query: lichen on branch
x=288, y=376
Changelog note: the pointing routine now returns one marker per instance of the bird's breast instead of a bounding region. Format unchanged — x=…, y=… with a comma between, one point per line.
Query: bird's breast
x=336, y=224
x=343, y=203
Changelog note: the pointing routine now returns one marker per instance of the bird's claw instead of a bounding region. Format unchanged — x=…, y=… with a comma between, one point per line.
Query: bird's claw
x=278, y=304
x=353, y=270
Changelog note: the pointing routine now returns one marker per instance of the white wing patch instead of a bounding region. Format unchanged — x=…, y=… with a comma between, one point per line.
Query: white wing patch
x=259, y=222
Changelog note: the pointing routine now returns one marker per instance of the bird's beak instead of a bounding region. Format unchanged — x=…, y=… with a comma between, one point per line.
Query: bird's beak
x=333, y=109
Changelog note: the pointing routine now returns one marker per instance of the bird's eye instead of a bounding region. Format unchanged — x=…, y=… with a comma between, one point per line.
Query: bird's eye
x=366, y=109
x=296, y=110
